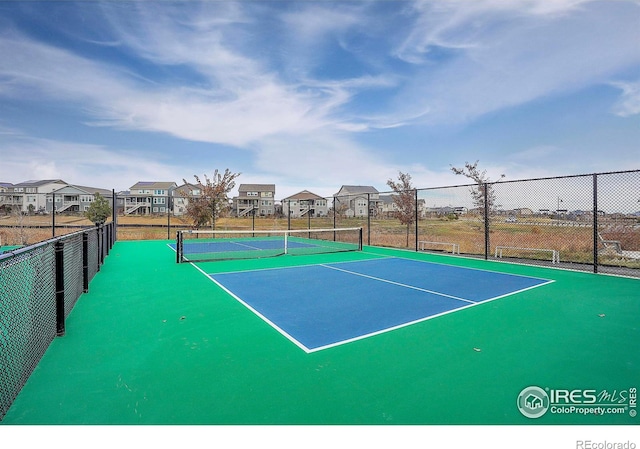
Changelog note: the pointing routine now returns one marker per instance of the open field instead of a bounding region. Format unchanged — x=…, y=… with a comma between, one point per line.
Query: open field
x=572, y=240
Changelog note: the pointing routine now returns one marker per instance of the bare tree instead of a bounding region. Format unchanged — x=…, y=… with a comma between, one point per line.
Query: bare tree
x=405, y=200
x=20, y=230
x=483, y=187
x=213, y=200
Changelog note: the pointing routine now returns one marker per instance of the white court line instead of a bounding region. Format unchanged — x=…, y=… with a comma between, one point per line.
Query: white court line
x=399, y=284
x=266, y=320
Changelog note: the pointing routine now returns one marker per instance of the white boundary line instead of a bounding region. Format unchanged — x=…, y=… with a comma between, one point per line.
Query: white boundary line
x=264, y=318
x=398, y=283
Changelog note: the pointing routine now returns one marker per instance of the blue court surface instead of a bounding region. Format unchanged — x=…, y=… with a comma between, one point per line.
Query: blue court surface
x=325, y=305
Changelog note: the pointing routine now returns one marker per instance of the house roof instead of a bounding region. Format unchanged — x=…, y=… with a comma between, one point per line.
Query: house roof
x=305, y=195
x=39, y=182
x=356, y=190
x=153, y=185
x=83, y=189
x=257, y=187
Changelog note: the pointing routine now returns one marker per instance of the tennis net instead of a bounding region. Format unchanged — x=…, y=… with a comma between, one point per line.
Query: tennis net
x=200, y=246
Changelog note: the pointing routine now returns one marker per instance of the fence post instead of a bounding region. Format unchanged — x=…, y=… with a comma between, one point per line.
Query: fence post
x=416, y=216
x=85, y=262
x=53, y=216
x=595, y=223
x=59, y=269
x=486, y=221
x=368, y=219
x=114, y=214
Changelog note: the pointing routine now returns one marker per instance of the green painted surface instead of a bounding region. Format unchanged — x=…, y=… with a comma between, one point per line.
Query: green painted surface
x=155, y=342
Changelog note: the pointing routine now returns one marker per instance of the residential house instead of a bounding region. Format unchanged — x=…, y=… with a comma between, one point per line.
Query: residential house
x=389, y=209
x=72, y=198
x=305, y=204
x=181, y=196
x=149, y=197
x=255, y=199
x=31, y=196
x=357, y=201
x=7, y=199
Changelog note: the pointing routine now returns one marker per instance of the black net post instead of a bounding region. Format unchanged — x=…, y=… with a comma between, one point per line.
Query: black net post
x=178, y=247
x=59, y=270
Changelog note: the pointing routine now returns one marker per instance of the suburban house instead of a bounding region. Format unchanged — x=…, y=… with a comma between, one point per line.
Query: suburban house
x=7, y=200
x=181, y=197
x=387, y=208
x=31, y=196
x=72, y=198
x=148, y=197
x=305, y=204
x=357, y=201
x=255, y=199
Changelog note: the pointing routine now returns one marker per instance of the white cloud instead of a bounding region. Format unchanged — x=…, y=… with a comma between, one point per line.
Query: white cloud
x=82, y=164
x=503, y=54
x=629, y=103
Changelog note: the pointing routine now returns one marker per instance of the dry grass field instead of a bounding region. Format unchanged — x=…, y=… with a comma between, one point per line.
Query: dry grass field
x=574, y=243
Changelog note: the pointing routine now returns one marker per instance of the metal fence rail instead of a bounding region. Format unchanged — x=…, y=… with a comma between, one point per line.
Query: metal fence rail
x=39, y=286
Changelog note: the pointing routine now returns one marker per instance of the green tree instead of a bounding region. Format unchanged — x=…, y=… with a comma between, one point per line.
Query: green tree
x=483, y=189
x=405, y=200
x=213, y=199
x=99, y=210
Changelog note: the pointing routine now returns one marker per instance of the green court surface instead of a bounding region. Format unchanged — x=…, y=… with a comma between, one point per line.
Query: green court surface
x=156, y=342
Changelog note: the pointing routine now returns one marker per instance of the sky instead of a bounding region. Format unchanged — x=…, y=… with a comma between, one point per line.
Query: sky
x=313, y=95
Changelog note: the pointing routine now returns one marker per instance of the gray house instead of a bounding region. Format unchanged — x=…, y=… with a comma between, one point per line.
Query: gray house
x=255, y=199
x=305, y=204
x=31, y=196
x=181, y=196
x=72, y=198
x=357, y=201
x=149, y=197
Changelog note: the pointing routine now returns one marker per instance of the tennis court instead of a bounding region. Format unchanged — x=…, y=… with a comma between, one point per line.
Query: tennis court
x=377, y=336
x=365, y=298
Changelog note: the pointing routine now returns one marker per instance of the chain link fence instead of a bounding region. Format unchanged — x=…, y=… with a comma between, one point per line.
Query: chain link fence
x=39, y=286
x=586, y=222
x=583, y=222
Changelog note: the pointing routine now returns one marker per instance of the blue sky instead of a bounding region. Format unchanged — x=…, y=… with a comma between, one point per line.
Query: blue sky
x=317, y=94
